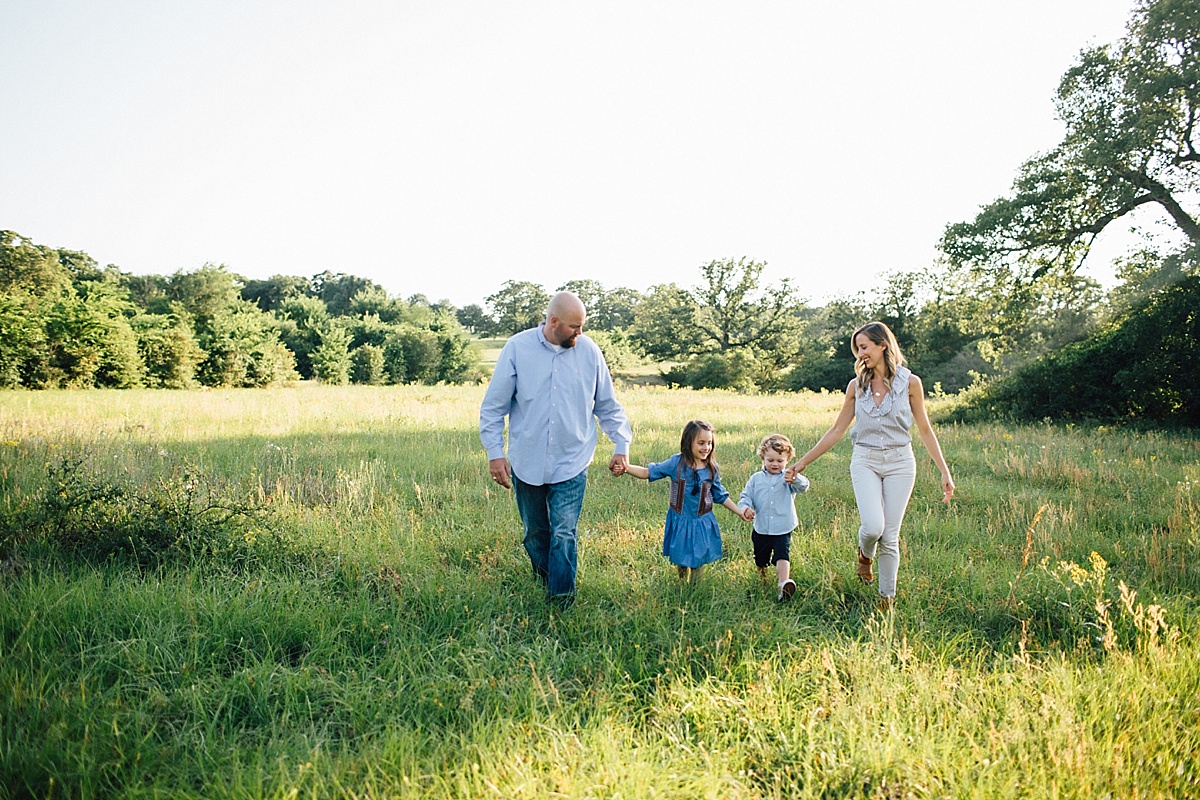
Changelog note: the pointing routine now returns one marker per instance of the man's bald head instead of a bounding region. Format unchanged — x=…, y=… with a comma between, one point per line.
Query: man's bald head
x=564, y=302
x=564, y=319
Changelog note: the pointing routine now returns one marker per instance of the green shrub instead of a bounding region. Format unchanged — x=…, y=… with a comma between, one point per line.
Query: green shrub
x=331, y=359
x=22, y=337
x=715, y=371
x=169, y=350
x=304, y=321
x=412, y=355
x=418, y=355
x=1138, y=368
x=271, y=364
x=182, y=518
x=459, y=360
x=366, y=365
x=75, y=334
x=242, y=348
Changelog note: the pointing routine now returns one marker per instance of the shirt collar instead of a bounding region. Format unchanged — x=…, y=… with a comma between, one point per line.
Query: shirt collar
x=541, y=334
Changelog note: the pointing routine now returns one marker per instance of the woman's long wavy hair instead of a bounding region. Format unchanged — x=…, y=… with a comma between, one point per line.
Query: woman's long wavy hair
x=878, y=333
x=689, y=435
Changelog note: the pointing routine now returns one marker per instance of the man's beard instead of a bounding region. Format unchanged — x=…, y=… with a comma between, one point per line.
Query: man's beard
x=569, y=342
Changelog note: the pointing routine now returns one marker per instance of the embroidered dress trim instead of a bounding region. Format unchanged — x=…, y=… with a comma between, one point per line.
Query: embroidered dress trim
x=677, y=490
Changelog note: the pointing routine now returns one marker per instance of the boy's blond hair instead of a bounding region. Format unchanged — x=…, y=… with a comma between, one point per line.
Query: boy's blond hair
x=779, y=443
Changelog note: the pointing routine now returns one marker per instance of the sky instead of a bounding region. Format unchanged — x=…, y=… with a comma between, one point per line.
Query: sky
x=442, y=148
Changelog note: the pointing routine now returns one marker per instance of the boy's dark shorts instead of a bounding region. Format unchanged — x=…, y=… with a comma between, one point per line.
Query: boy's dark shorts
x=765, y=543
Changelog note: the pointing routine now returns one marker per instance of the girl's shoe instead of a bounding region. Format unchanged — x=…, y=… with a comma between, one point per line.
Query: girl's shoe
x=786, y=590
x=864, y=568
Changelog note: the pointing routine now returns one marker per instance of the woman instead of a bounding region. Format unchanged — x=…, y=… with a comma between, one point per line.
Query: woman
x=886, y=398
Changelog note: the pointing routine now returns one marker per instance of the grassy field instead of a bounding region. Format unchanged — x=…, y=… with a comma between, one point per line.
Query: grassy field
x=315, y=592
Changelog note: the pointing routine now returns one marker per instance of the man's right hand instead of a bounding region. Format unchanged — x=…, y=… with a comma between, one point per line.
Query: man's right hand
x=501, y=473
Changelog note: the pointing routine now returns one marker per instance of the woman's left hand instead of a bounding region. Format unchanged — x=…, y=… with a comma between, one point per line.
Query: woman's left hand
x=947, y=488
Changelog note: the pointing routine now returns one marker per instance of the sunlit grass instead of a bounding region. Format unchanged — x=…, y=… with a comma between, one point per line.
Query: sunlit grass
x=396, y=646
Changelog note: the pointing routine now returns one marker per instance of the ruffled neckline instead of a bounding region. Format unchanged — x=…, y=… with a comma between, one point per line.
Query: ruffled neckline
x=884, y=407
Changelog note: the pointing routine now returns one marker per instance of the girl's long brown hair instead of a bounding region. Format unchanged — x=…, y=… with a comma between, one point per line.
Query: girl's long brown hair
x=689, y=435
x=878, y=333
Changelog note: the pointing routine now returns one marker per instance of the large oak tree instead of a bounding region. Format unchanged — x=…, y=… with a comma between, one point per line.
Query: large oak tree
x=1130, y=112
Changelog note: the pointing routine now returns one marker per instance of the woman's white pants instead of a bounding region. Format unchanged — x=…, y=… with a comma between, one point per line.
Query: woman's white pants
x=883, y=482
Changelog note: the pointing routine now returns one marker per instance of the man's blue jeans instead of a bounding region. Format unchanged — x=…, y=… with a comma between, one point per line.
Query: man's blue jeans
x=550, y=514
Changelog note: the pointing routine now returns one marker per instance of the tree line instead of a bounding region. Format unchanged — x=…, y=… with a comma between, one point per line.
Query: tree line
x=66, y=322
x=732, y=330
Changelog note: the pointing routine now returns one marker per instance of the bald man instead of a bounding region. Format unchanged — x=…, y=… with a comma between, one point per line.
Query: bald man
x=552, y=384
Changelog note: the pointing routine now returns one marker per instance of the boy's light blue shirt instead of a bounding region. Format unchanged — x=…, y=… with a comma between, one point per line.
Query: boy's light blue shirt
x=552, y=397
x=771, y=497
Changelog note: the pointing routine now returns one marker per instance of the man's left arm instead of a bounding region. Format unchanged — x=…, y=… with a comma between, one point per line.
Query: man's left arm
x=612, y=417
x=496, y=406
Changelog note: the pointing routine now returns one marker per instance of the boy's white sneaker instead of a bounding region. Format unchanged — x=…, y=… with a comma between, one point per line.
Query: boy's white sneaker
x=786, y=590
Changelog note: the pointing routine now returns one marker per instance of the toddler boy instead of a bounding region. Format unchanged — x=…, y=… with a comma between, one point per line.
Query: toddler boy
x=770, y=496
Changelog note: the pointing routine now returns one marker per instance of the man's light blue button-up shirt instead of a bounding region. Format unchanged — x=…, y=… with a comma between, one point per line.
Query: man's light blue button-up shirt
x=552, y=397
x=771, y=497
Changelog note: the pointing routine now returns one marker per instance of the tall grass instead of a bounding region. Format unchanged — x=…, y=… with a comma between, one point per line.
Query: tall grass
x=373, y=631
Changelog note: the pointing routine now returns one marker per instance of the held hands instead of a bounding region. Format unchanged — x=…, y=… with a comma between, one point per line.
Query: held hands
x=746, y=513
x=790, y=474
x=617, y=465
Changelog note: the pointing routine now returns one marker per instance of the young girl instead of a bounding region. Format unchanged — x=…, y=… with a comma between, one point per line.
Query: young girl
x=692, y=537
